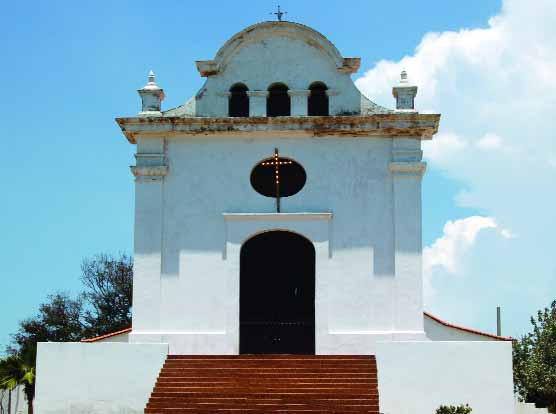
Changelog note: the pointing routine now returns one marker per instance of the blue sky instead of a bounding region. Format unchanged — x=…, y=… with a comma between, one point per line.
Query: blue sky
x=68, y=69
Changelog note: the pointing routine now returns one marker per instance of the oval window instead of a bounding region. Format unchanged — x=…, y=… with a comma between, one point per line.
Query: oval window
x=278, y=177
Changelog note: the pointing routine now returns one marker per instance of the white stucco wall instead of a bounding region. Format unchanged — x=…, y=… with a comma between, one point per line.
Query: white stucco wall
x=102, y=377
x=368, y=281
x=528, y=408
x=417, y=377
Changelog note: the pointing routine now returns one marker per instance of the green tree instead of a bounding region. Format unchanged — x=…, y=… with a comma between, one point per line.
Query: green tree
x=454, y=409
x=534, y=358
x=17, y=370
x=60, y=319
x=108, y=282
x=104, y=306
x=7, y=380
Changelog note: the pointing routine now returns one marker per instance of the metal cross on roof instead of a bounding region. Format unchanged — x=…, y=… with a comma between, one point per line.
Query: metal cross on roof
x=276, y=163
x=279, y=14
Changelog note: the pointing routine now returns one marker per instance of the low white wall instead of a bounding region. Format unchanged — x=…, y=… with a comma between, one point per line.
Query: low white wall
x=417, y=377
x=77, y=378
x=528, y=408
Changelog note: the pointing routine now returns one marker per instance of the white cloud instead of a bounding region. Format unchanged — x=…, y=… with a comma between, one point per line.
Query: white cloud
x=444, y=147
x=449, y=250
x=507, y=233
x=496, y=90
x=489, y=142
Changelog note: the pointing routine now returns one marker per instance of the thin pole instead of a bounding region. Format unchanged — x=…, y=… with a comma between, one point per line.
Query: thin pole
x=498, y=322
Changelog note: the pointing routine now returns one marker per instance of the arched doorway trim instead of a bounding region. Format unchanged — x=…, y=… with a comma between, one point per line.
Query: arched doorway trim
x=285, y=230
x=240, y=227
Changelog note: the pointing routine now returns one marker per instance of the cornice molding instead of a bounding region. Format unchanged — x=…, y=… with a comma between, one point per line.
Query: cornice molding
x=149, y=172
x=277, y=216
x=403, y=125
x=299, y=92
x=259, y=94
x=408, y=168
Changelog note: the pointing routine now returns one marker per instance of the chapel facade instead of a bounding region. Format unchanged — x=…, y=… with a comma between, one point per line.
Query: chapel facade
x=216, y=243
x=278, y=241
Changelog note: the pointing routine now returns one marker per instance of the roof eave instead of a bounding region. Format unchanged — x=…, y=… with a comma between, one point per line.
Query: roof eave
x=469, y=330
x=399, y=124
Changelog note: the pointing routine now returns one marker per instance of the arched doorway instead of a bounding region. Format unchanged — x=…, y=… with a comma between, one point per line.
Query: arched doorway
x=277, y=294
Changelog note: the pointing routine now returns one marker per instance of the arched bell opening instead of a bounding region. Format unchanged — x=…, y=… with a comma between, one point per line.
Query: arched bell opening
x=318, y=100
x=278, y=102
x=239, y=101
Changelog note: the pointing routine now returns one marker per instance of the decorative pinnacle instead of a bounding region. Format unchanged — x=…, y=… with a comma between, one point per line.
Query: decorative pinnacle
x=404, y=93
x=151, y=96
x=151, y=84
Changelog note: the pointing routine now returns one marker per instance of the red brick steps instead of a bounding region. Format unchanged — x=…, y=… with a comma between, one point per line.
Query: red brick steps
x=262, y=384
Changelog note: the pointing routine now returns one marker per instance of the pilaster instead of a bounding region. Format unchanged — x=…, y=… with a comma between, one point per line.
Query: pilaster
x=149, y=172
x=257, y=103
x=407, y=169
x=333, y=101
x=299, y=102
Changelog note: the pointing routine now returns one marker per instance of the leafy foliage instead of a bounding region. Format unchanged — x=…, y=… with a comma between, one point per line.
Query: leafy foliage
x=108, y=282
x=58, y=320
x=18, y=370
x=534, y=358
x=453, y=409
x=104, y=306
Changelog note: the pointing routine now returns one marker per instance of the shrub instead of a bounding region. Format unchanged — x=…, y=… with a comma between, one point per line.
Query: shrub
x=452, y=409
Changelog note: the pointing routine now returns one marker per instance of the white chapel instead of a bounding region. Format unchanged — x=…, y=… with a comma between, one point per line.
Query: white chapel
x=277, y=253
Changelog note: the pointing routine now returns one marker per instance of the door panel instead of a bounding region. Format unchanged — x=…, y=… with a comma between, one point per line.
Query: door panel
x=277, y=294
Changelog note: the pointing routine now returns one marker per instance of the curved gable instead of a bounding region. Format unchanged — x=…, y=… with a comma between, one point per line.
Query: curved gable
x=277, y=52
x=263, y=31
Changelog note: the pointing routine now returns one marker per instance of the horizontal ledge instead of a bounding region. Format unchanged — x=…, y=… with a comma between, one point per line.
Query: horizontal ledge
x=276, y=216
x=408, y=167
x=149, y=170
x=391, y=125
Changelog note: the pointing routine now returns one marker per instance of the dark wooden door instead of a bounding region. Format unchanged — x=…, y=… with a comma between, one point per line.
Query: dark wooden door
x=277, y=294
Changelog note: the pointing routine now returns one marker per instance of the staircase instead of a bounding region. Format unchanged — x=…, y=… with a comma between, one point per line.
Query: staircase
x=260, y=384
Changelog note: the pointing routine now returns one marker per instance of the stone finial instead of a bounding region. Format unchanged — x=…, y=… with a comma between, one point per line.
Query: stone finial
x=151, y=83
x=151, y=97
x=405, y=94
